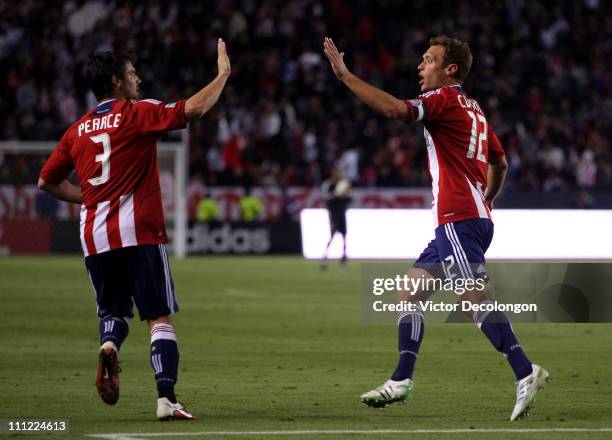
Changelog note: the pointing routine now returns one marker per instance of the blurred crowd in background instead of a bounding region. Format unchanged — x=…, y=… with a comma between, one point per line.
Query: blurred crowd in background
x=541, y=74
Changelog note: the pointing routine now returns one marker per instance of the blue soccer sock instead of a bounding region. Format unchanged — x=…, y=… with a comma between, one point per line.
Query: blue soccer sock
x=164, y=359
x=498, y=330
x=410, y=329
x=114, y=330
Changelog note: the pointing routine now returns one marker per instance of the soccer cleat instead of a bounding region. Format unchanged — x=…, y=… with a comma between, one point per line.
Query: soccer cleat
x=167, y=410
x=107, y=381
x=526, y=390
x=390, y=392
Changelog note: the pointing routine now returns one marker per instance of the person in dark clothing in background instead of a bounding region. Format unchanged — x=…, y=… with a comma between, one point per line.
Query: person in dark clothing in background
x=337, y=193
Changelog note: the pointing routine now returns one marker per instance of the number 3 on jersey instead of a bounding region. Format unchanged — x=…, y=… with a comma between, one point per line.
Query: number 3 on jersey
x=477, y=135
x=103, y=139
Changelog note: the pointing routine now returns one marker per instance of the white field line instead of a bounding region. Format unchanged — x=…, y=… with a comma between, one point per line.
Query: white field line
x=138, y=435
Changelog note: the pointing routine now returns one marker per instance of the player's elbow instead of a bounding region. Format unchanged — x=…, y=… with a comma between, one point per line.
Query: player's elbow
x=191, y=110
x=501, y=163
x=391, y=114
x=42, y=184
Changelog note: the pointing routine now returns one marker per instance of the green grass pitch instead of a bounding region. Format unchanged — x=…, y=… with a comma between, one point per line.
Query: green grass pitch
x=274, y=344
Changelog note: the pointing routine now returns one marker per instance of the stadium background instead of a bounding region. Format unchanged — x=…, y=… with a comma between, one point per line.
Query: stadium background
x=284, y=121
x=541, y=73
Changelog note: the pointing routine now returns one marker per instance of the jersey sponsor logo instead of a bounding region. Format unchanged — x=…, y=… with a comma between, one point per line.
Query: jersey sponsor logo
x=170, y=105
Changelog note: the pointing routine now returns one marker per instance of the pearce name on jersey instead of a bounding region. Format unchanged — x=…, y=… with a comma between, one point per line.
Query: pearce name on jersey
x=460, y=142
x=97, y=124
x=113, y=150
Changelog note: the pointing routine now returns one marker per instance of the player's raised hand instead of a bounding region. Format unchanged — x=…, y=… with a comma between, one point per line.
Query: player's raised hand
x=223, y=62
x=335, y=58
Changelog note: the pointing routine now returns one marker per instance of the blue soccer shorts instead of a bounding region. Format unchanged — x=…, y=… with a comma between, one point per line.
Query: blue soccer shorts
x=458, y=250
x=136, y=274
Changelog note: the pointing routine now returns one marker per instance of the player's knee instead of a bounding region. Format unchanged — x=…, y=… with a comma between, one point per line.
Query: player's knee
x=161, y=320
x=465, y=303
x=472, y=297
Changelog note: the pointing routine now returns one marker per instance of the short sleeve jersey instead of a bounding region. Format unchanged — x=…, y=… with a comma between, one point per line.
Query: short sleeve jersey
x=460, y=142
x=113, y=150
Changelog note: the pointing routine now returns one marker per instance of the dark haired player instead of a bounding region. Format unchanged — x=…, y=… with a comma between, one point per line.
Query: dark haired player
x=468, y=167
x=113, y=150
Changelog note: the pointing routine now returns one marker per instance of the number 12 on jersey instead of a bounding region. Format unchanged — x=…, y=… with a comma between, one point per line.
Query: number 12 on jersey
x=103, y=139
x=477, y=136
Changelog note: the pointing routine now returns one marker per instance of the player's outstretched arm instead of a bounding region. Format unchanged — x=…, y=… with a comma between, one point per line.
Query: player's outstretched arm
x=496, y=175
x=65, y=191
x=201, y=102
x=378, y=99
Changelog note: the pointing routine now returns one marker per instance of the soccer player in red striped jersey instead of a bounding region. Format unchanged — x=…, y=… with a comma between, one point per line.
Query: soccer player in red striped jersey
x=467, y=165
x=113, y=150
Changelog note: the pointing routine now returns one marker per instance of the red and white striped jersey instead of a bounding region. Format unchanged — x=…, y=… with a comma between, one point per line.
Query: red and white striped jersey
x=113, y=150
x=459, y=143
